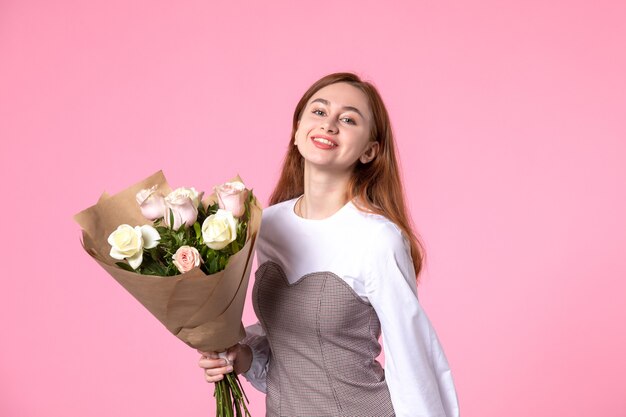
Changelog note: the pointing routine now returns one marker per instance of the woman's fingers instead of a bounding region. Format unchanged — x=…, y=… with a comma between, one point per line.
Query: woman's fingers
x=207, y=363
x=217, y=374
x=216, y=365
x=214, y=369
x=213, y=378
x=210, y=354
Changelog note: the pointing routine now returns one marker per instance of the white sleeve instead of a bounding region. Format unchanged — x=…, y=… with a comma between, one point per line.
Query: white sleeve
x=416, y=369
x=257, y=340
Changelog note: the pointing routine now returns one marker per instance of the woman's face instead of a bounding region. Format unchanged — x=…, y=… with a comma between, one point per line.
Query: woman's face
x=334, y=129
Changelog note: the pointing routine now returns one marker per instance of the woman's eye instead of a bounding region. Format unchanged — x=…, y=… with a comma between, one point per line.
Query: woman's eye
x=318, y=112
x=349, y=120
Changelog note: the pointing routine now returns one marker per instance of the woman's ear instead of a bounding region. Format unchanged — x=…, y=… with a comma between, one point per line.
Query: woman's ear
x=295, y=135
x=370, y=152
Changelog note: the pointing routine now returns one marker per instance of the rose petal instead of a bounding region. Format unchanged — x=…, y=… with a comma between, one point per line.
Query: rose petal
x=143, y=195
x=150, y=236
x=116, y=254
x=135, y=260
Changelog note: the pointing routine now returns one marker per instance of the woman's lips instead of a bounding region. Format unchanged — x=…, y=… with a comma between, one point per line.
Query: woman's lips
x=323, y=142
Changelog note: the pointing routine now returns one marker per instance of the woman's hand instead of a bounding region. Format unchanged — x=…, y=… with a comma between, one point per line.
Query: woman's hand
x=238, y=358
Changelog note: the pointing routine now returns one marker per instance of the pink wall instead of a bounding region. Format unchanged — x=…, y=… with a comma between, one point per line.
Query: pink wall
x=510, y=120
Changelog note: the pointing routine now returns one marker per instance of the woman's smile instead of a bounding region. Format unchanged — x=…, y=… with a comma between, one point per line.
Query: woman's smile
x=324, y=142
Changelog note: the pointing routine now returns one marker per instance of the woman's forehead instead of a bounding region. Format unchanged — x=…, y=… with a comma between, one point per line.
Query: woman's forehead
x=342, y=95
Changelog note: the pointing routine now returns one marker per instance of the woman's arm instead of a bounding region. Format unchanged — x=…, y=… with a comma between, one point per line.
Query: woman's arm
x=260, y=351
x=416, y=369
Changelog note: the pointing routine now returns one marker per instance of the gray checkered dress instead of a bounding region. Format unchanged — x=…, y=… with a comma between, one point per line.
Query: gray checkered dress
x=324, y=343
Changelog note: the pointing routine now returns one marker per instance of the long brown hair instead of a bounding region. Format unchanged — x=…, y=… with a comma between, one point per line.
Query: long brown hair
x=375, y=187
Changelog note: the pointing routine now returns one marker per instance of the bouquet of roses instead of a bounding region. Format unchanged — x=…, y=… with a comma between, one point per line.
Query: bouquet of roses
x=186, y=258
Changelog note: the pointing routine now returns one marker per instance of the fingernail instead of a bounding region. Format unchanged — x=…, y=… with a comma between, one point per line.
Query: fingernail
x=229, y=368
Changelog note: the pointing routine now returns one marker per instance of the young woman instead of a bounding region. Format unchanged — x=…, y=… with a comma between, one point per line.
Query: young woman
x=338, y=263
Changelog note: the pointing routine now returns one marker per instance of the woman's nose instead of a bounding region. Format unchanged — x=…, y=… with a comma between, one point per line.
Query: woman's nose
x=329, y=126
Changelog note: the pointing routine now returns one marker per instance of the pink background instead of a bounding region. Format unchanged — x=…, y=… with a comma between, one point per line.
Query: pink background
x=511, y=125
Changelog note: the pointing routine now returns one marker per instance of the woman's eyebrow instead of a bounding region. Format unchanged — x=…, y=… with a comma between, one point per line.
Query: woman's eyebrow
x=326, y=102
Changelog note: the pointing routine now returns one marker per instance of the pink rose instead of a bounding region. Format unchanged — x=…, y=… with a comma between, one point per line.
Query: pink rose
x=151, y=203
x=186, y=258
x=182, y=203
x=232, y=196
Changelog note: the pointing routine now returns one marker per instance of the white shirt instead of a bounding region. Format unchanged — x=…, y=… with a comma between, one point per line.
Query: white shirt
x=370, y=254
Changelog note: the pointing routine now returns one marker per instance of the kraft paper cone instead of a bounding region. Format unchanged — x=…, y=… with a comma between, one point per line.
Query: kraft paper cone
x=204, y=311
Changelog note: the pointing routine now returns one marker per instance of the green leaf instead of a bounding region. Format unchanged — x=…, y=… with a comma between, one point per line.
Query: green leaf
x=154, y=253
x=171, y=219
x=202, y=212
x=198, y=230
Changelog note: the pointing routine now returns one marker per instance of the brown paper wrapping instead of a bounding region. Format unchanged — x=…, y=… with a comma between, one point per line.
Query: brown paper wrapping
x=204, y=311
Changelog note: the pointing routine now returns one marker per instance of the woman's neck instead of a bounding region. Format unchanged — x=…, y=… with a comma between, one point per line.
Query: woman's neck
x=324, y=193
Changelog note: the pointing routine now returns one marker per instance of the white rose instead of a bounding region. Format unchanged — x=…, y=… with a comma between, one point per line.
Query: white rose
x=128, y=242
x=219, y=229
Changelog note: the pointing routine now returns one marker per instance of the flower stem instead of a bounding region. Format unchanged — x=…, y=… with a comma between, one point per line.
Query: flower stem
x=230, y=397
